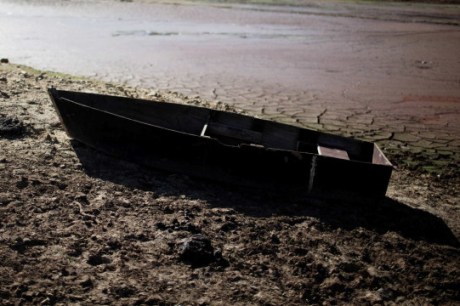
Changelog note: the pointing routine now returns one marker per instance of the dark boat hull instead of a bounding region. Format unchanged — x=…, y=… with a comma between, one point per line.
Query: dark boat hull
x=207, y=157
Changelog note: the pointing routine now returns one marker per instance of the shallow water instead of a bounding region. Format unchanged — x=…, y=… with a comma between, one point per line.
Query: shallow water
x=259, y=58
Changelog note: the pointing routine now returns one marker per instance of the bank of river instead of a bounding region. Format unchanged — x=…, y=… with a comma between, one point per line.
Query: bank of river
x=106, y=231
x=383, y=73
x=81, y=227
x=339, y=55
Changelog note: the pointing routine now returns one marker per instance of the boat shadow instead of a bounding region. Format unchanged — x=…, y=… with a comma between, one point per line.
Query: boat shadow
x=379, y=215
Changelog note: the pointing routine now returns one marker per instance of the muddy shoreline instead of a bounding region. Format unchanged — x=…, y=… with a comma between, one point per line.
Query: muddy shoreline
x=365, y=60
x=81, y=227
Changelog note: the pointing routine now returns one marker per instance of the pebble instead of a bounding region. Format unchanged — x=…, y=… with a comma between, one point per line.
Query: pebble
x=24, y=74
x=87, y=283
x=11, y=127
x=81, y=197
x=228, y=226
x=123, y=291
x=197, y=250
x=155, y=94
x=22, y=183
x=97, y=259
x=21, y=244
x=349, y=267
x=4, y=61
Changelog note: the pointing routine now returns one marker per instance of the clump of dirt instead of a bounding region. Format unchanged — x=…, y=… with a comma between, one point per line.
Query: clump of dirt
x=198, y=251
x=10, y=127
x=81, y=227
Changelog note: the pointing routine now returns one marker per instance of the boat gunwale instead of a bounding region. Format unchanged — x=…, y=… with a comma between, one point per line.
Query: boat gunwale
x=54, y=93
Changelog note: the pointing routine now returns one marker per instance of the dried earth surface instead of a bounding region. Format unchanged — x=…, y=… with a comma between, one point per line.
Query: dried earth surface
x=80, y=227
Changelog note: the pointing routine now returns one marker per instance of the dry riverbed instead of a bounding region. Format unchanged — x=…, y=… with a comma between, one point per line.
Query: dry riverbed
x=80, y=227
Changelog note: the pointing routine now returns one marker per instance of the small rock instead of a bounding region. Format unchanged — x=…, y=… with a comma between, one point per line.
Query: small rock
x=197, y=251
x=137, y=236
x=372, y=271
x=114, y=244
x=333, y=284
x=24, y=74
x=11, y=127
x=23, y=183
x=275, y=239
x=61, y=185
x=76, y=249
x=97, y=259
x=81, y=197
x=4, y=61
x=228, y=226
x=22, y=244
x=123, y=291
x=155, y=94
x=349, y=267
x=41, y=76
x=161, y=226
x=87, y=283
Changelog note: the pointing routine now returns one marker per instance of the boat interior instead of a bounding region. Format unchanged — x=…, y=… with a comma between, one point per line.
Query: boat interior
x=235, y=129
x=229, y=128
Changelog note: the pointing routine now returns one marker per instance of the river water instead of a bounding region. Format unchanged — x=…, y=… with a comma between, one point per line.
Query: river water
x=260, y=58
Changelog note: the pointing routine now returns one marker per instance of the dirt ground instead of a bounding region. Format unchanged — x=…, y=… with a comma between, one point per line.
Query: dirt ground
x=79, y=227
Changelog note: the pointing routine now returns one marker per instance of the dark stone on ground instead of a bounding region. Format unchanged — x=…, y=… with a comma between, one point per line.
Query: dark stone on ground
x=4, y=61
x=10, y=127
x=87, y=283
x=197, y=251
x=21, y=245
x=123, y=291
x=97, y=259
x=23, y=183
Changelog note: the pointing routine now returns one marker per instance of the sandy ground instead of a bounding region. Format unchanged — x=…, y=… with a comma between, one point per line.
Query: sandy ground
x=78, y=227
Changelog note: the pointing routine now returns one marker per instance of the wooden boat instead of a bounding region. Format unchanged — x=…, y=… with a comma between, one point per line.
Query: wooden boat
x=223, y=146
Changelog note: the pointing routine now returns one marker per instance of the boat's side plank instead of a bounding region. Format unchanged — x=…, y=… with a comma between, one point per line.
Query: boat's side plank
x=281, y=137
x=188, y=119
x=177, y=117
x=223, y=146
x=193, y=155
x=215, y=130
x=339, y=175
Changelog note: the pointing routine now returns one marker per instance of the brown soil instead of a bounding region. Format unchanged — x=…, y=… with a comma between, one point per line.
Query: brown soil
x=80, y=227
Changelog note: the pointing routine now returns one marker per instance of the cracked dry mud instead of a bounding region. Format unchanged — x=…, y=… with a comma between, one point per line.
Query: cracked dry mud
x=78, y=227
